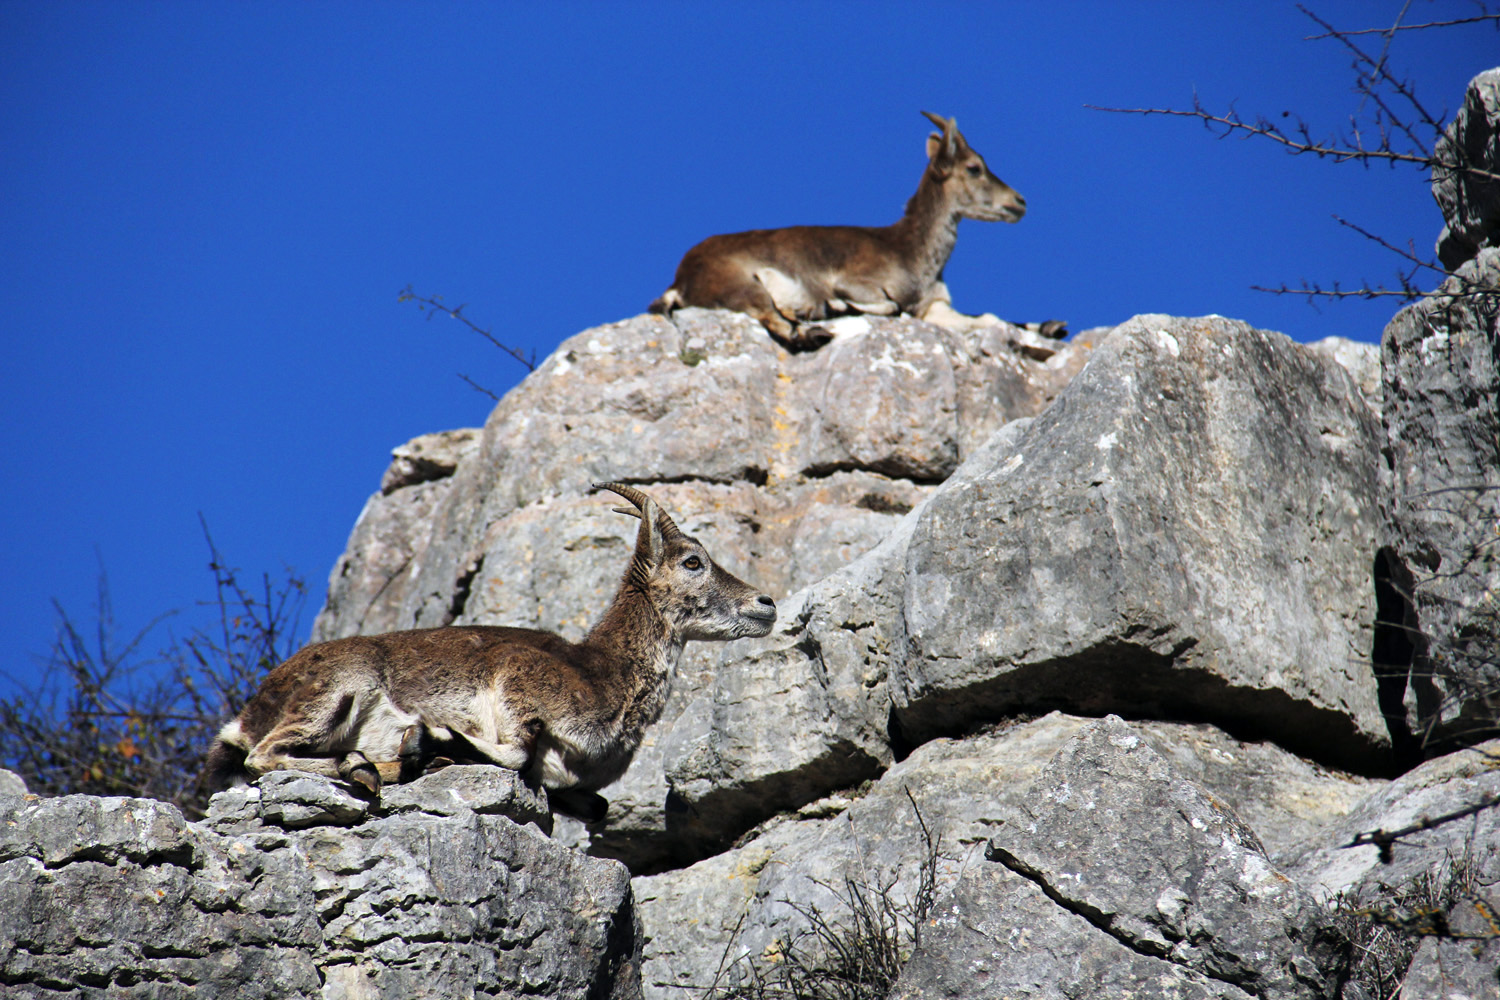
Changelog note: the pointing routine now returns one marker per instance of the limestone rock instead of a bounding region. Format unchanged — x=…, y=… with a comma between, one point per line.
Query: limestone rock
x=1118, y=877
x=812, y=460
x=1177, y=536
x=1439, y=566
x=1453, y=866
x=429, y=457
x=1360, y=359
x=1185, y=531
x=1470, y=204
x=1330, y=868
x=895, y=398
x=750, y=902
x=295, y=888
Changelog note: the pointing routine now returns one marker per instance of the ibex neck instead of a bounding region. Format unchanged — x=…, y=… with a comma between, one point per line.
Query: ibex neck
x=634, y=635
x=928, y=230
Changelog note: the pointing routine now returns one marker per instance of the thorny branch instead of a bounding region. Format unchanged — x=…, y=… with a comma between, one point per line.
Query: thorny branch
x=1393, y=134
x=1385, y=840
x=432, y=305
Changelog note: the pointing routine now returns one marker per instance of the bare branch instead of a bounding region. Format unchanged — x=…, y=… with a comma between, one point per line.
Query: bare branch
x=432, y=305
x=477, y=387
x=1405, y=27
x=1385, y=840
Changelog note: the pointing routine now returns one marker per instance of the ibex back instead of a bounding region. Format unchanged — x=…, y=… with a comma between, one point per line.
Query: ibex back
x=787, y=277
x=566, y=715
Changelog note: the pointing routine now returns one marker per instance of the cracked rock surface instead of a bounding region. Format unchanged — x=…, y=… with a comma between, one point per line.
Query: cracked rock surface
x=295, y=888
x=749, y=902
x=1117, y=876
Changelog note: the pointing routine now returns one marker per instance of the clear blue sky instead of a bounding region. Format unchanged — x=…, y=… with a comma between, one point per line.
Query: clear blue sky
x=209, y=208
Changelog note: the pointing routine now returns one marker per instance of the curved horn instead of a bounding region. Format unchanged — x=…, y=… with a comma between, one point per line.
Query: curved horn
x=648, y=539
x=664, y=522
x=952, y=142
x=943, y=123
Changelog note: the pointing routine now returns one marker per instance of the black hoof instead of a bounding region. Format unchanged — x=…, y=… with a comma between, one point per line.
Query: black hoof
x=364, y=776
x=806, y=338
x=415, y=752
x=590, y=807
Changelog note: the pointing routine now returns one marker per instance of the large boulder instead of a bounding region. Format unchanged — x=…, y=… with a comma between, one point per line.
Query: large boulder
x=1470, y=199
x=295, y=888
x=1117, y=876
x=1186, y=532
x=733, y=913
x=1438, y=568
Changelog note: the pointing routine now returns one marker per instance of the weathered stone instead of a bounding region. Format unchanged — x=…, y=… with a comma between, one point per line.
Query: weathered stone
x=630, y=401
x=1185, y=532
x=796, y=715
x=1454, y=865
x=1360, y=359
x=428, y=457
x=812, y=459
x=122, y=897
x=1270, y=607
x=1470, y=201
x=1463, y=967
x=11, y=783
x=365, y=587
x=1330, y=868
x=1122, y=878
x=1439, y=567
x=751, y=902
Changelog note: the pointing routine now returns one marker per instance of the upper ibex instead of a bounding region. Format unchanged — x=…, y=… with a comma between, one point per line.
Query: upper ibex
x=783, y=277
x=567, y=715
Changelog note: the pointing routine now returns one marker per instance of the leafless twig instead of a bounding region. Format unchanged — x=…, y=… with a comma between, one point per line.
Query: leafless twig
x=433, y=305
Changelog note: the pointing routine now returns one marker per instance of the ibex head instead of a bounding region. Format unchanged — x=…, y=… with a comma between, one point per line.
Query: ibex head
x=977, y=193
x=692, y=593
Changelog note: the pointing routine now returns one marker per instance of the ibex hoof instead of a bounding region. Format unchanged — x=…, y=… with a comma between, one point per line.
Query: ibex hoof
x=590, y=807
x=803, y=339
x=357, y=769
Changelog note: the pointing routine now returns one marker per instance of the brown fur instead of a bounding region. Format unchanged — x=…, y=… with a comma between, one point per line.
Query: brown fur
x=786, y=278
x=567, y=715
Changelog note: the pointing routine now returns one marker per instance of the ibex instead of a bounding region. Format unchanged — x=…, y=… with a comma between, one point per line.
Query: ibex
x=569, y=716
x=785, y=277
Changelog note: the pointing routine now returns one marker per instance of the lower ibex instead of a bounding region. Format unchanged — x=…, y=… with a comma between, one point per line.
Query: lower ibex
x=787, y=277
x=568, y=716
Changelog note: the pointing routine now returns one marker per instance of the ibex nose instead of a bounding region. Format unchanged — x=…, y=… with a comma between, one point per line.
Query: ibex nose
x=766, y=600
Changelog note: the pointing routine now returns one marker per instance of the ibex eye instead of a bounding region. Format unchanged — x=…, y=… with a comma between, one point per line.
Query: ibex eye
x=693, y=562
x=975, y=170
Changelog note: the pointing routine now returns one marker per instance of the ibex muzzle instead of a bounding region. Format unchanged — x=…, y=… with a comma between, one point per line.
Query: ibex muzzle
x=568, y=716
x=786, y=278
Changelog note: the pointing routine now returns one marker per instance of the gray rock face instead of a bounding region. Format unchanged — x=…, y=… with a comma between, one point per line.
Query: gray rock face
x=1184, y=532
x=294, y=888
x=388, y=533
x=704, y=398
x=1439, y=564
x=1361, y=360
x=1470, y=203
x=736, y=908
x=1453, y=867
x=1330, y=868
x=1179, y=535
x=811, y=459
x=1122, y=878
